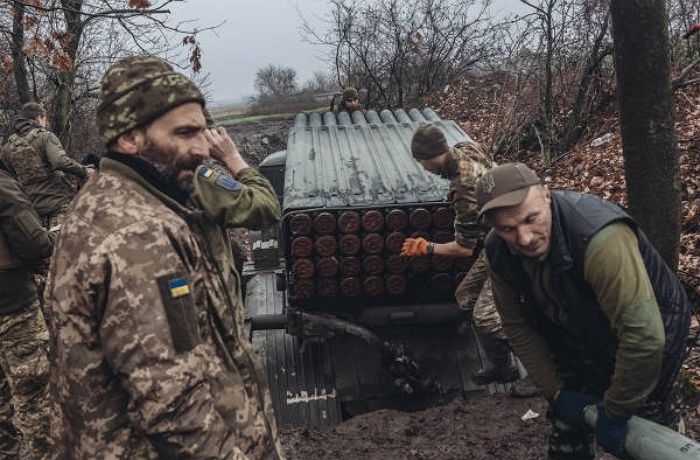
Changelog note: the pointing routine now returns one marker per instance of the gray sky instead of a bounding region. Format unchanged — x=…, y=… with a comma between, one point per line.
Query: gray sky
x=261, y=32
x=256, y=33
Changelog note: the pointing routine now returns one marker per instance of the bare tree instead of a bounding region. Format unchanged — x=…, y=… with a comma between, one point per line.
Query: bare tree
x=274, y=81
x=399, y=52
x=48, y=45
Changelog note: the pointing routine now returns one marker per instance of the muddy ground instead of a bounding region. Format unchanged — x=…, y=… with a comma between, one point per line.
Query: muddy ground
x=488, y=427
x=484, y=428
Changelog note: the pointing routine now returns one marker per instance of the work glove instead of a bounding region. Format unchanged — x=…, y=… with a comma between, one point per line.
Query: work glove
x=569, y=407
x=610, y=432
x=415, y=247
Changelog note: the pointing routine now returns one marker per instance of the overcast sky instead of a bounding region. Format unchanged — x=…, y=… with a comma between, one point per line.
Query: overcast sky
x=257, y=33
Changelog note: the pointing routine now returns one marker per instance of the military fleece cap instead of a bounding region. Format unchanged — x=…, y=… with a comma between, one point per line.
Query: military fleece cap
x=137, y=90
x=504, y=186
x=428, y=142
x=350, y=93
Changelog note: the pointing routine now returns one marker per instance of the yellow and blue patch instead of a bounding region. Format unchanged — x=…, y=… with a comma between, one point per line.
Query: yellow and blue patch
x=206, y=172
x=178, y=287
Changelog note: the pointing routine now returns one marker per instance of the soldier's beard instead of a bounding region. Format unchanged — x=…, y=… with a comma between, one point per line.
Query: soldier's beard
x=177, y=171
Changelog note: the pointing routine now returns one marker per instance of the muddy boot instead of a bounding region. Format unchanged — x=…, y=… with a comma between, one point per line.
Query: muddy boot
x=524, y=388
x=499, y=367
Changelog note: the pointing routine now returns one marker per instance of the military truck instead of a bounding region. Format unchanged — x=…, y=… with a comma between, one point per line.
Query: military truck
x=346, y=325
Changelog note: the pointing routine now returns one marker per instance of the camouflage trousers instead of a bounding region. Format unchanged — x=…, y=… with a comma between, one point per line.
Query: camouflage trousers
x=26, y=407
x=571, y=443
x=474, y=293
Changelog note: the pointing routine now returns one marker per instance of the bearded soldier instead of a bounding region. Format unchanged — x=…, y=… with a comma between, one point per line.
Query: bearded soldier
x=151, y=357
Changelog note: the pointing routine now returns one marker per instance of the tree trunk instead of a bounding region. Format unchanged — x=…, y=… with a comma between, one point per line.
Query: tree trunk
x=647, y=120
x=18, y=60
x=63, y=102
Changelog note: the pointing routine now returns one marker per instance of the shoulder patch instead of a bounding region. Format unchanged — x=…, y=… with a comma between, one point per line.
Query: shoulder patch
x=228, y=183
x=206, y=172
x=53, y=139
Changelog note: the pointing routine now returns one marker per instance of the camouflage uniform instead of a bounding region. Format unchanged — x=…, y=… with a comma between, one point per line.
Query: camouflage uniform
x=151, y=359
x=24, y=367
x=40, y=169
x=467, y=161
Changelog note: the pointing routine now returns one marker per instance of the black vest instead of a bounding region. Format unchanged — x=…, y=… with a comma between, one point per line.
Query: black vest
x=576, y=219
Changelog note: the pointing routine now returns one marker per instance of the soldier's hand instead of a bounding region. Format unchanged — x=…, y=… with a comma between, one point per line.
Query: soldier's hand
x=415, y=247
x=223, y=149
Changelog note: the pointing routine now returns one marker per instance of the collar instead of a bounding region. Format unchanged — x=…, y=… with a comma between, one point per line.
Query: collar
x=151, y=175
x=451, y=168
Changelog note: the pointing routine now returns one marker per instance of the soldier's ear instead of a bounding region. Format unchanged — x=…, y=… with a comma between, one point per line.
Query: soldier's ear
x=130, y=142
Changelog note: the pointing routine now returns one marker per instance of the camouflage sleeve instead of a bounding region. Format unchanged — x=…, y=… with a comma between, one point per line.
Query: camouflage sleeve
x=529, y=345
x=468, y=232
x=152, y=335
x=59, y=159
x=19, y=223
x=246, y=201
x=472, y=163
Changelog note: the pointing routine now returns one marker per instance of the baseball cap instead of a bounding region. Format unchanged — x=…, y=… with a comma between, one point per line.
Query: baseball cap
x=503, y=186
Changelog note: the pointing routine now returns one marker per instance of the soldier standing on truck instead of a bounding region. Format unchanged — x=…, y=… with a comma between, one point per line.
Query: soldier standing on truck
x=151, y=359
x=589, y=306
x=461, y=165
x=25, y=401
x=36, y=158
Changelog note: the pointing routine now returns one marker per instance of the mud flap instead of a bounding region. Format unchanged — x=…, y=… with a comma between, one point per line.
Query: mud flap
x=301, y=379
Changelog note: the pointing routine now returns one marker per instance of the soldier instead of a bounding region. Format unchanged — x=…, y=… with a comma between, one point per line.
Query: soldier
x=36, y=158
x=461, y=165
x=350, y=101
x=590, y=307
x=151, y=360
x=24, y=390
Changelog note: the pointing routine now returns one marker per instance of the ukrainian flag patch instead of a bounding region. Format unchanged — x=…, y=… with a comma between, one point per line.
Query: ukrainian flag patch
x=178, y=287
x=206, y=172
x=228, y=183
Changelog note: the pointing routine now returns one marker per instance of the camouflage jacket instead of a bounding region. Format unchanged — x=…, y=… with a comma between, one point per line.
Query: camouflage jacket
x=40, y=171
x=466, y=162
x=150, y=357
x=23, y=244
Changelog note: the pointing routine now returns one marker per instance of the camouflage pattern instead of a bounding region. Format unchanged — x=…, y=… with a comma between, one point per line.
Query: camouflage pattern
x=150, y=359
x=475, y=293
x=24, y=160
x=25, y=369
x=467, y=161
x=41, y=173
x=137, y=90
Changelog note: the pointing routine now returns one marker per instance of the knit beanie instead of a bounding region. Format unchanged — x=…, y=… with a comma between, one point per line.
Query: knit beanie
x=350, y=93
x=137, y=90
x=428, y=142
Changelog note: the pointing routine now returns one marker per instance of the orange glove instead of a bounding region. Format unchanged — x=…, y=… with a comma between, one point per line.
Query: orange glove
x=692, y=30
x=415, y=247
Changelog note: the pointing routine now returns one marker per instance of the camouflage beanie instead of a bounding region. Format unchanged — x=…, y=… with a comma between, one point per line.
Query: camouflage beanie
x=137, y=90
x=428, y=142
x=350, y=93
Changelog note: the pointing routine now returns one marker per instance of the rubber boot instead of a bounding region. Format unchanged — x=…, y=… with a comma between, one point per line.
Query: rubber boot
x=499, y=367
